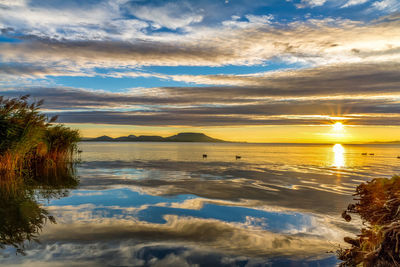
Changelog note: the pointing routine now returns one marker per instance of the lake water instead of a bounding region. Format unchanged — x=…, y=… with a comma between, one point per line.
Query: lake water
x=162, y=204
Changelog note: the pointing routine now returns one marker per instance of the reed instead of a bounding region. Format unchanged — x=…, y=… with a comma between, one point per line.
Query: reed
x=30, y=140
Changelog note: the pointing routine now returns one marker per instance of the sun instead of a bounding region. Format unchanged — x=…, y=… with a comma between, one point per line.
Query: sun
x=338, y=126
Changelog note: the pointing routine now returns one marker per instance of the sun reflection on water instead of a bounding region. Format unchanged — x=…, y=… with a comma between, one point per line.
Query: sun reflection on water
x=338, y=151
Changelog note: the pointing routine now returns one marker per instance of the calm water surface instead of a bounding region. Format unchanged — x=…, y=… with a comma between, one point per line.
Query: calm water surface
x=162, y=204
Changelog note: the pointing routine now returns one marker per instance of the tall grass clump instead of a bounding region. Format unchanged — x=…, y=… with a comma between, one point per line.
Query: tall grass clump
x=29, y=140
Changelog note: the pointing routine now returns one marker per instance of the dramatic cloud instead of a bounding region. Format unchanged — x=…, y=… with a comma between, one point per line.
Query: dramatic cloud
x=319, y=67
x=359, y=93
x=314, y=42
x=336, y=79
x=72, y=20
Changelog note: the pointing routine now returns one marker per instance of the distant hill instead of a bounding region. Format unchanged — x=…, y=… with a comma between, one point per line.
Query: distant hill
x=180, y=137
x=101, y=138
x=149, y=138
x=191, y=137
x=124, y=138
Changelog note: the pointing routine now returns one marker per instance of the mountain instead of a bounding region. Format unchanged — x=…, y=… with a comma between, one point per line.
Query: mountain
x=180, y=137
x=101, y=138
x=150, y=138
x=191, y=137
x=125, y=138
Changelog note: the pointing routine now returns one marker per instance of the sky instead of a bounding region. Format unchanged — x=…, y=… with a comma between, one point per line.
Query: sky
x=240, y=70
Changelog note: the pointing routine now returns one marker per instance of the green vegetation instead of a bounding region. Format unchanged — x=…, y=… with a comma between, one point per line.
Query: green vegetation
x=35, y=161
x=28, y=139
x=378, y=244
x=21, y=216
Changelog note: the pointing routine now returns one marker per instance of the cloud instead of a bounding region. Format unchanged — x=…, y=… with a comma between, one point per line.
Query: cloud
x=112, y=54
x=165, y=119
x=340, y=72
x=152, y=254
x=72, y=20
x=319, y=3
x=333, y=79
x=169, y=15
x=268, y=188
x=310, y=3
x=252, y=20
x=228, y=237
x=264, y=19
x=353, y=3
x=313, y=42
x=21, y=71
x=305, y=96
x=387, y=5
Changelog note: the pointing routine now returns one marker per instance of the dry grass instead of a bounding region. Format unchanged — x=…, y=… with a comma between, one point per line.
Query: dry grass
x=378, y=244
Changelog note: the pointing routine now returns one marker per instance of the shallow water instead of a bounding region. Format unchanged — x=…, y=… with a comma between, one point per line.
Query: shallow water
x=162, y=204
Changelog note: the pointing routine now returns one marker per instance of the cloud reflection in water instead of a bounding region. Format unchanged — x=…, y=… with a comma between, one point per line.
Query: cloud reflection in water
x=275, y=209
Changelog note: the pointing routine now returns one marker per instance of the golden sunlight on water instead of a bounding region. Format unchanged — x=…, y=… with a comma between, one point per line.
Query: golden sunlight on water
x=338, y=151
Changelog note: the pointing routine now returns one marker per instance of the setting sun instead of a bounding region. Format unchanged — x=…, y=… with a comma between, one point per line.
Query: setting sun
x=338, y=126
